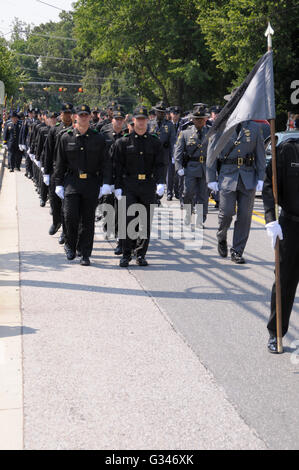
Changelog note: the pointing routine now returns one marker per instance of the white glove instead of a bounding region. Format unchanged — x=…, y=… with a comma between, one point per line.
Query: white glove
x=160, y=189
x=59, y=190
x=112, y=188
x=46, y=179
x=172, y=161
x=5, y=147
x=181, y=172
x=32, y=157
x=100, y=193
x=38, y=163
x=106, y=189
x=42, y=169
x=28, y=152
x=21, y=147
x=214, y=186
x=259, y=186
x=118, y=194
x=274, y=231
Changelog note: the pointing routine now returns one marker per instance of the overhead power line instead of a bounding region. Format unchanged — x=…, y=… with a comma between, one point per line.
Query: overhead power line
x=49, y=5
x=50, y=36
x=43, y=56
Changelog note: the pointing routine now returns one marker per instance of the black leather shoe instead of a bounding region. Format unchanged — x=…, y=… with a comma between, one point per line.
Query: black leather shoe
x=237, y=258
x=118, y=250
x=141, y=261
x=61, y=239
x=42, y=203
x=272, y=345
x=85, y=261
x=54, y=228
x=124, y=262
x=11, y=170
x=222, y=248
x=169, y=198
x=70, y=254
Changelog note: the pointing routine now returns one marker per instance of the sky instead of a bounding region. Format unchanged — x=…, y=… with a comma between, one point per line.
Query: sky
x=30, y=11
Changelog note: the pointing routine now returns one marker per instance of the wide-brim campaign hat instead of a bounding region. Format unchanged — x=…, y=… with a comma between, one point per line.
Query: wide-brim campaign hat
x=140, y=112
x=195, y=105
x=199, y=112
x=161, y=106
x=231, y=94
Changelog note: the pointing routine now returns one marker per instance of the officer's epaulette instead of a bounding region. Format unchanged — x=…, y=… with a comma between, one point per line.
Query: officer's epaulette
x=126, y=135
x=69, y=131
x=57, y=124
x=155, y=135
x=95, y=131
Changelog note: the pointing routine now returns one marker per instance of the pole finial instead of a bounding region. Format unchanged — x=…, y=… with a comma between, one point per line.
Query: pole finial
x=269, y=33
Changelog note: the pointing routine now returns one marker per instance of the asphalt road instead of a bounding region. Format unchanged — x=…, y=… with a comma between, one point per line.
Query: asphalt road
x=178, y=347
x=221, y=309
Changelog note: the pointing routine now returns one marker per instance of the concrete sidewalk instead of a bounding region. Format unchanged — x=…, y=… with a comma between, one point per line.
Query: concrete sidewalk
x=103, y=366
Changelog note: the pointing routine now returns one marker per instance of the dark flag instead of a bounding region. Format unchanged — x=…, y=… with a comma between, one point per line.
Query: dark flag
x=254, y=99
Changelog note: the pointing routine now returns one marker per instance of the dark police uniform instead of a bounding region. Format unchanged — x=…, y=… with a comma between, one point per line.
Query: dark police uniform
x=288, y=199
x=79, y=168
x=139, y=166
x=165, y=130
x=50, y=154
x=11, y=139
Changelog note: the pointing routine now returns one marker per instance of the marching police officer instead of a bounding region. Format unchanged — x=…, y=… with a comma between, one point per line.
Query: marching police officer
x=79, y=169
x=139, y=174
x=50, y=154
x=165, y=130
x=241, y=171
x=286, y=228
x=11, y=141
x=190, y=158
x=108, y=120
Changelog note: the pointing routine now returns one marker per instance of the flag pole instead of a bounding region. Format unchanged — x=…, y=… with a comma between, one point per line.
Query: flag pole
x=269, y=32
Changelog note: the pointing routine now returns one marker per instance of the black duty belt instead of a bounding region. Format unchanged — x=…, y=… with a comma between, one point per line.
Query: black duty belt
x=200, y=159
x=82, y=175
x=294, y=218
x=240, y=161
x=140, y=176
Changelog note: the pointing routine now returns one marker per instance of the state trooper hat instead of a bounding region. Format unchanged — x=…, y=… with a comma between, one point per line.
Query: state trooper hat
x=96, y=110
x=67, y=108
x=83, y=109
x=232, y=93
x=140, y=111
x=14, y=114
x=161, y=106
x=152, y=112
x=200, y=104
x=199, y=112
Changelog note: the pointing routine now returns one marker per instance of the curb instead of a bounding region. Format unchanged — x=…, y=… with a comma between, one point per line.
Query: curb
x=2, y=165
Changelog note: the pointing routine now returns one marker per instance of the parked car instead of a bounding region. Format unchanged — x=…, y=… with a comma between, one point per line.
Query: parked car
x=280, y=137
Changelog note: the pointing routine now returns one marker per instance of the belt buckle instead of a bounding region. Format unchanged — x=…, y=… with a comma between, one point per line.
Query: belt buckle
x=83, y=176
x=201, y=159
x=240, y=161
x=141, y=177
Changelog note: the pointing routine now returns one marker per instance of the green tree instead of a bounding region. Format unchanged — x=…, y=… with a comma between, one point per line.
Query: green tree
x=9, y=75
x=234, y=32
x=157, y=45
